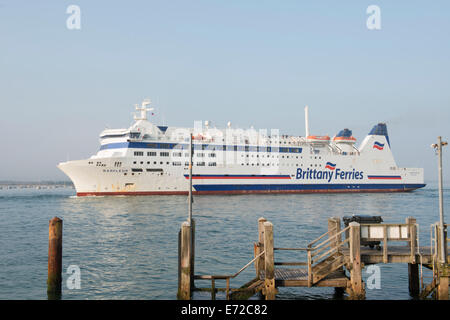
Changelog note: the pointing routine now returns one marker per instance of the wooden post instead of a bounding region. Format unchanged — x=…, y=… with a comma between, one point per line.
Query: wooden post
x=357, y=286
x=412, y=235
x=269, y=269
x=192, y=253
x=442, y=289
x=385, y=244
x=334, y=227
x=414, y=280
x=185, y=278
x=54, y=258
x=259, y=263
x=443, y=269
x=413, y=267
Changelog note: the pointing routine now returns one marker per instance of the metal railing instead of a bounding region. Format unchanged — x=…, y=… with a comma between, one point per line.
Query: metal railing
x=213, y=278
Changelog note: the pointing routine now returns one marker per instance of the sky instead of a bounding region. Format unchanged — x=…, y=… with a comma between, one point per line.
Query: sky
x=254, y=63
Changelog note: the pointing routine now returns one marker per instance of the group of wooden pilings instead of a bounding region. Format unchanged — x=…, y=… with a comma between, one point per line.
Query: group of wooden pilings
x=351, y=254
x=266, y=263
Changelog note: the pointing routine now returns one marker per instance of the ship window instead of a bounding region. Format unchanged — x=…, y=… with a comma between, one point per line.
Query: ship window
x=134, y=162
x=151, y=154
x=136, y=170
x=164, y=154
x=200, y=155
x=200, y=164
x=212, y=164
x=176, y=163
x=138, y=153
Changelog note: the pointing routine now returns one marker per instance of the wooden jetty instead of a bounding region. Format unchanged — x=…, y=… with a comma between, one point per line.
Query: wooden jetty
x=335, y=259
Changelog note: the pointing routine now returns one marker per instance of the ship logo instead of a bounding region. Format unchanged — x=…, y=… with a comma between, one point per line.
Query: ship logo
x=330, y=166
x=377, y=145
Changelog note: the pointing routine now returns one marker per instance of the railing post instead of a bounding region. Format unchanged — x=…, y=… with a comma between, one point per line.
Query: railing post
x=259, y=263
x=412, y=236
x=185, y=271
x=357, y=286
x=334, y=227
x=385, y=244
x=310, y=274
x=269, y=269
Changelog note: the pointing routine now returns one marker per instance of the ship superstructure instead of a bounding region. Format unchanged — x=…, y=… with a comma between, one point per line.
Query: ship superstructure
x=150, y=159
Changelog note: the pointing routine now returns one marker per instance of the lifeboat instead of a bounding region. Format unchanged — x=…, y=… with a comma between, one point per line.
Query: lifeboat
x=344, y=136
x=319, y=139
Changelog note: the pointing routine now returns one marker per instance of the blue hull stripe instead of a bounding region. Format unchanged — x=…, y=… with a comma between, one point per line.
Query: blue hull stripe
x=305, y=187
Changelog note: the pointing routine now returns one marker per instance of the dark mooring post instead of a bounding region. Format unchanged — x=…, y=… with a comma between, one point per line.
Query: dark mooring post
x=269, y=262
x=54, y=259
x=413, y=267
x=357, y=286
x=185, y=259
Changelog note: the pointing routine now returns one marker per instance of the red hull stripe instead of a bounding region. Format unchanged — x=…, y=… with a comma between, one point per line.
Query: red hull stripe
x=385, y=177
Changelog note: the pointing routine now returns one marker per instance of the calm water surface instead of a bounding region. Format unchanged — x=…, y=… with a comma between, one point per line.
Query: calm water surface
x=126, y=247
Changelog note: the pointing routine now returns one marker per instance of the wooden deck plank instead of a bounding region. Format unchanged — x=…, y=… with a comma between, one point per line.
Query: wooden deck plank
x=285, y=277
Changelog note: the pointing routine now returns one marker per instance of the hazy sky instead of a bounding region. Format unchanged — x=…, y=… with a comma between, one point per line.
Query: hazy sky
x=251, y=62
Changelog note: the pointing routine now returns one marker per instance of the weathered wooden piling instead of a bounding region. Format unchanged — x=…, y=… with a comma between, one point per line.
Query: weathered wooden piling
x=259, y=247
x=443, y=269
x=269, y=262
x=185, y=274
x=54, y=276
x=413, y=266
x=357, y=285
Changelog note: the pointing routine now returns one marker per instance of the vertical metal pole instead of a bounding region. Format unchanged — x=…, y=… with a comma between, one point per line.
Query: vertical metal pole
x=443, y=241
x=190, y=178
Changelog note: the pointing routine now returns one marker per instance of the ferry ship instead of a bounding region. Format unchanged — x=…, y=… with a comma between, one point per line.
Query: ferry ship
x=150, y=159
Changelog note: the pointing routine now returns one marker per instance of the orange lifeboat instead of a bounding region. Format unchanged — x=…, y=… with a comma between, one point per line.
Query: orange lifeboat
x=318, y=138
x=344, y=136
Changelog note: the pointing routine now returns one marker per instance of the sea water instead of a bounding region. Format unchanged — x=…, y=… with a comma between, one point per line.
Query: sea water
x=126, y=247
